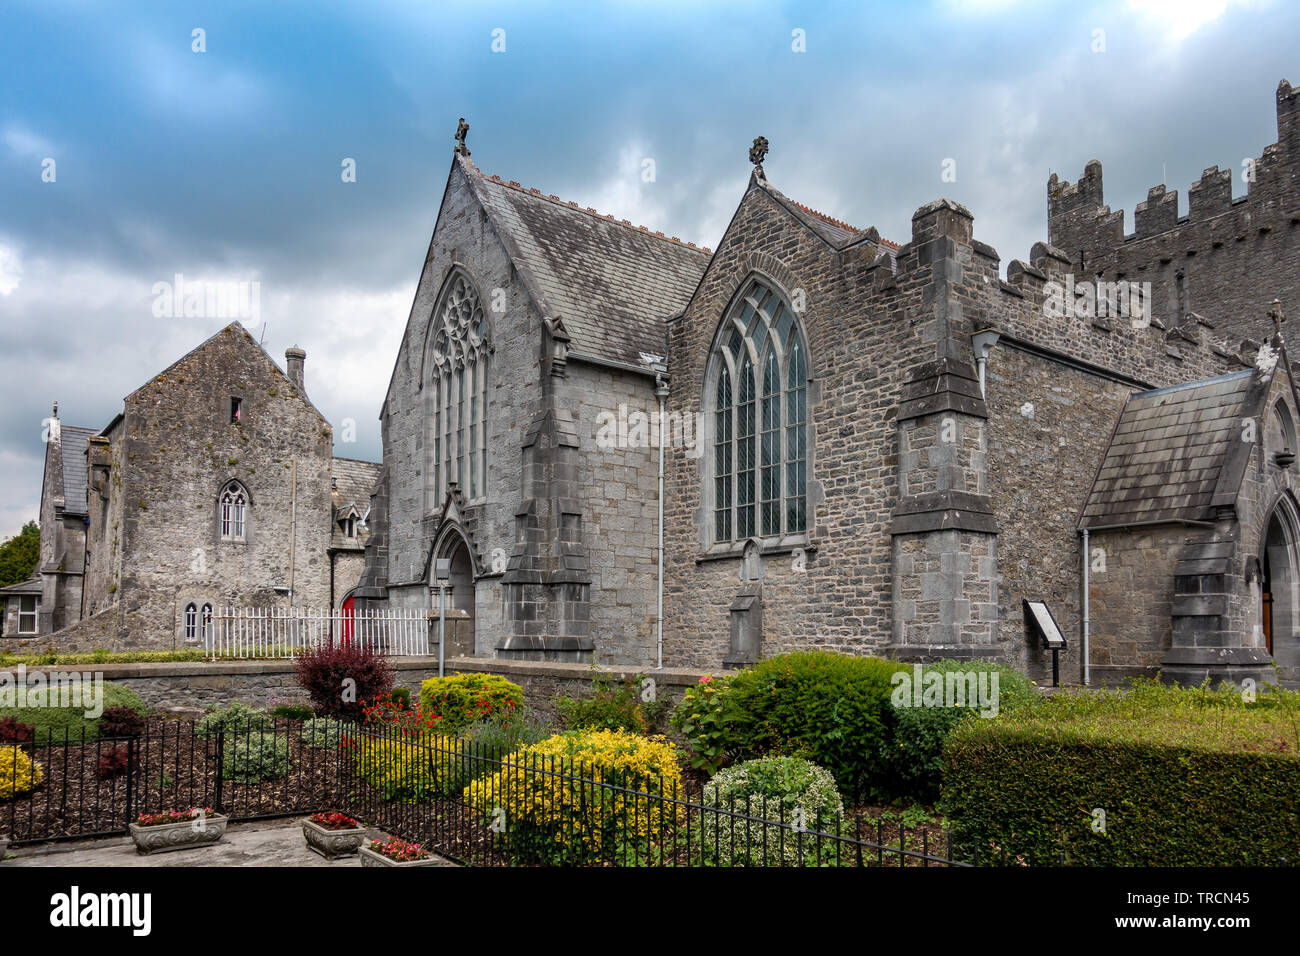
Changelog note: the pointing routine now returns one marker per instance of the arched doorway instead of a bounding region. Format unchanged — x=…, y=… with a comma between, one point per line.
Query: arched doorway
x=1279, y=584
x=460, y=594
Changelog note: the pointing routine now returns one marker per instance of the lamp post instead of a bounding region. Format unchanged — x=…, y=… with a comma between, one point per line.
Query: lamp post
x=442, y=572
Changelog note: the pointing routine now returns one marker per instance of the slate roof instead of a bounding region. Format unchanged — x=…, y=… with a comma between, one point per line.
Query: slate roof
x=72, y=449
x=1176, y=453
x=31, y=586
x=612, y=284
x=353, y=482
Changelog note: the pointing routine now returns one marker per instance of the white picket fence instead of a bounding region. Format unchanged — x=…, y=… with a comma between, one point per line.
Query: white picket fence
x=283, y=632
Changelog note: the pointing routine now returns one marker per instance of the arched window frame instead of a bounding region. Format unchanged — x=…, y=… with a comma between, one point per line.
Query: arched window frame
x=454, y=377
x=205, y=622
x=233, y=508
x=191, y=621
x=756, y=401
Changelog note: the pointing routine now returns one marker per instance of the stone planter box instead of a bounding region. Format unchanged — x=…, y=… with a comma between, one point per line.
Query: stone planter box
x=370, y=858
x=4, y=845
x=333, y=844
x=178, y=836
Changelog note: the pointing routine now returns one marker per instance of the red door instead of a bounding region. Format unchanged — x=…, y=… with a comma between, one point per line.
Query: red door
x=349, y=608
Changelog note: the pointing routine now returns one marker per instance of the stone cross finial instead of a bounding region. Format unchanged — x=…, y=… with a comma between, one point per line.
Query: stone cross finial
x=462, y=130
x=758, y=151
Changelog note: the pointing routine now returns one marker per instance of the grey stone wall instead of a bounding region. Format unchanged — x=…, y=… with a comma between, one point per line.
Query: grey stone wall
x=255, y=683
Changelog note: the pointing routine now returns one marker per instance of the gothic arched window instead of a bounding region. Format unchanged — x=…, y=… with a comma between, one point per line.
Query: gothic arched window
x=760, y=420
x=232, y=512
x=205, y=622
x=191, y=622
x=456, y=372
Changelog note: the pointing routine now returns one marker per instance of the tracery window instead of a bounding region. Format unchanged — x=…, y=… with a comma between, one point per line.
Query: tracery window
x=233, y=512
x=457, y=371
x=760, y=420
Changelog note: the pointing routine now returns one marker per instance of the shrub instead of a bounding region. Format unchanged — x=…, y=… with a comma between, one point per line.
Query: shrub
x=120, y=722
x=13, y=732
x=464, y=699
x=700, y=718
x=115, y=762
x=919, y=730
x=291, y=712
x=57, y=722
x=340, y=678
x=1184, y=777
x=399, y=696
x=562, y=818
x=797, y=793
x=500, y=736
x=409, y=769
x=249, y=758
x=19, y=773
x=610, y=708
x=325, y=733
x=830, y=708
x=237, y=718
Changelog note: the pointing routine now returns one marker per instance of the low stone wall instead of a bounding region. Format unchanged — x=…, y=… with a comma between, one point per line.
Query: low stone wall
x=204, y=684
x=543, y=682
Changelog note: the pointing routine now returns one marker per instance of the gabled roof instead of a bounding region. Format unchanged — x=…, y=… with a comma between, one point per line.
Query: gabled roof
x=234, y=328
x=1176, y=453
x=612, y=284
x=72, y=452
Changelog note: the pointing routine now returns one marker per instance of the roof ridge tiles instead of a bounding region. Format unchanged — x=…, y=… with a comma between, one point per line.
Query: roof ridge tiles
x=569, y=204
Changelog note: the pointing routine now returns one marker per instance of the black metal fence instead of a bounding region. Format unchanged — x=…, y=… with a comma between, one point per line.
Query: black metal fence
x=468, y=802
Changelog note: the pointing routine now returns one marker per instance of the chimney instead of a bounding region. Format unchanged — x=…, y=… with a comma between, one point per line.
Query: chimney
x=293, y=361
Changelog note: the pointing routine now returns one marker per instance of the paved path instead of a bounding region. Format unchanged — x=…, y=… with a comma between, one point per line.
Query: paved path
x=271, y=843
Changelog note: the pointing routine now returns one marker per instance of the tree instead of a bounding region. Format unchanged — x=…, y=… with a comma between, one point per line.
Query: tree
x=18, y=555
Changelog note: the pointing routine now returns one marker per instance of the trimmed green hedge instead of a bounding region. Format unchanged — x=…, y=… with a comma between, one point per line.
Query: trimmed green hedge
x=1184, y=777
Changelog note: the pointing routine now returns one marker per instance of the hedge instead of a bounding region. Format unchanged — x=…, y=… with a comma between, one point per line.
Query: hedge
x=1158, y=776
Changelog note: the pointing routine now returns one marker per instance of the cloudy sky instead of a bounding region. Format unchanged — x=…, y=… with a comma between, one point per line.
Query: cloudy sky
x=226, y=164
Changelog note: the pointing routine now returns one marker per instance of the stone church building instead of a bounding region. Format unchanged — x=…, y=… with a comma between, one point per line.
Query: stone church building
x=215, y=486
x=874, y=447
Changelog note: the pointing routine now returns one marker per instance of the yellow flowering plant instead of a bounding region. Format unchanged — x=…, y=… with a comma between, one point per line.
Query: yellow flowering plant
x=582, y=797
x=19, y=773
